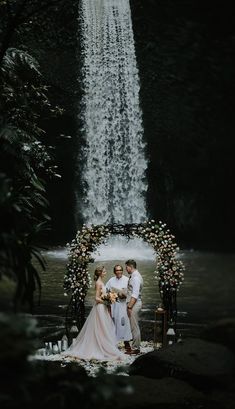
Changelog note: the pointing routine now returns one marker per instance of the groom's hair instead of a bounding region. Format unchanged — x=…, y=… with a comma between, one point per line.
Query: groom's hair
x=131, y=263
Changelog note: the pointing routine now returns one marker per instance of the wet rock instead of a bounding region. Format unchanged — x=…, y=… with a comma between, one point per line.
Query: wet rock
x=222, y=332
x=152, y=393
x=201, y=363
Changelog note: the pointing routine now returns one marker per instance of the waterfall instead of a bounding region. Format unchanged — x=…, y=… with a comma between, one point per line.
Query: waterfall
x=113, y=156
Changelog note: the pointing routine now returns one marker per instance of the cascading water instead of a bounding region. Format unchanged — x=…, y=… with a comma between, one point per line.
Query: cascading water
x=113, y=157
x=114, y=160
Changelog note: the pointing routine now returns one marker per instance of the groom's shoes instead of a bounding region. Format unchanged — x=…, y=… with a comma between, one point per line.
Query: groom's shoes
x=127, y=346
x=132, y=352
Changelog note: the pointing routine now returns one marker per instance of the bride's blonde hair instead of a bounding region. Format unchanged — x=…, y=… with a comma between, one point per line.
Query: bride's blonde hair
x=98, y=272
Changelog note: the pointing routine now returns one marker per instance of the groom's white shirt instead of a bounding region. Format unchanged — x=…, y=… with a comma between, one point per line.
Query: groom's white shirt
x=135, y=285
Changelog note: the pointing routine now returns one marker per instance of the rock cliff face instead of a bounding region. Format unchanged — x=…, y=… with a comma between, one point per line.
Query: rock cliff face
x=185, y=59
x=182, y=49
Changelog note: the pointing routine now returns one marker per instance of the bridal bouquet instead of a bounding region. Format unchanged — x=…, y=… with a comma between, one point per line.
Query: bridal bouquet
x=109, y=297
x=121, y=292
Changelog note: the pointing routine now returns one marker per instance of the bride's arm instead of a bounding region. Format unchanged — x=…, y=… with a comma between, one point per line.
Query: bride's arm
x=98, y=288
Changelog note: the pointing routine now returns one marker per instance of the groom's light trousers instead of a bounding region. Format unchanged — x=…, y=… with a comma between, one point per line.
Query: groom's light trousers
x=134, y=321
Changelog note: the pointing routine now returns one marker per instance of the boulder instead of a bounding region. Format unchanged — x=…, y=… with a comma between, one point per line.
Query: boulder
x=166, y=393
x=201, y=363
x=221, y=332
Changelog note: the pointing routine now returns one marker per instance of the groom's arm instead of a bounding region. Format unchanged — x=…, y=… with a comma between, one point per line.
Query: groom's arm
x=135, y=293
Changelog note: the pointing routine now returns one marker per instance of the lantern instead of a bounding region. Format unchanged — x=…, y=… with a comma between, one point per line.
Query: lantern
x=170, y=336
x=73, y=331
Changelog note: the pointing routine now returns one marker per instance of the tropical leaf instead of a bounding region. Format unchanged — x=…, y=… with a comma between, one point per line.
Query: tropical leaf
x=37, y=254
x=15, y=58
x=25, y=162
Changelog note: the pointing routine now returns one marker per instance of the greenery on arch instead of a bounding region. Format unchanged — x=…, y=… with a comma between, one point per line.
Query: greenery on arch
x=169, y=271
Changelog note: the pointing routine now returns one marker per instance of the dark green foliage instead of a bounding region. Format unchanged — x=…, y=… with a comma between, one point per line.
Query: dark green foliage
x=18, y=339
x=48, y=29
x=50, y=36
x=26, y=155
x=25, y=14
x=44, y=385
x=25, y=164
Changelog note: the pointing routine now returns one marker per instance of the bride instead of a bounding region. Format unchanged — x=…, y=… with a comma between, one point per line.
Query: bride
x=96, y=339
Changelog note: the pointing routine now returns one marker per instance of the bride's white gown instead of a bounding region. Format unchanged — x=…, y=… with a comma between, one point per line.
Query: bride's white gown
x=97, y=339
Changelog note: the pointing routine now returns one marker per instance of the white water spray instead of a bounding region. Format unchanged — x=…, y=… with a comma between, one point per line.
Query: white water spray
x=114, y=180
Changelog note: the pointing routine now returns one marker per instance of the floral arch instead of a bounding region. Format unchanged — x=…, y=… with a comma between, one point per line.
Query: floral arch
x=169, y=273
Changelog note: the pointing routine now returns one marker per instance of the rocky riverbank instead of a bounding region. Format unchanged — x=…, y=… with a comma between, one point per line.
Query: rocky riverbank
x=198, y=372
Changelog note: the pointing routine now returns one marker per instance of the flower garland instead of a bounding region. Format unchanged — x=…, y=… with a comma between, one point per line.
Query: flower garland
x=169, y=269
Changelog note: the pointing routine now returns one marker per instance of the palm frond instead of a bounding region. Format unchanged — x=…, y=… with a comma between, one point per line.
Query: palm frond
x=40, y=259
x=15, y=59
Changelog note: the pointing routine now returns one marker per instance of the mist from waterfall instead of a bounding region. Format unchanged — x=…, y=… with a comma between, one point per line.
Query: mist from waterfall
x=113, y=175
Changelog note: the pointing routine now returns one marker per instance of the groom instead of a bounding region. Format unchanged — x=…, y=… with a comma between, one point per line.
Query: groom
x=134, y=303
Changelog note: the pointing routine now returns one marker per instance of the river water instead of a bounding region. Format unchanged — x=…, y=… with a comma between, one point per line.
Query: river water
x=207, y=293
